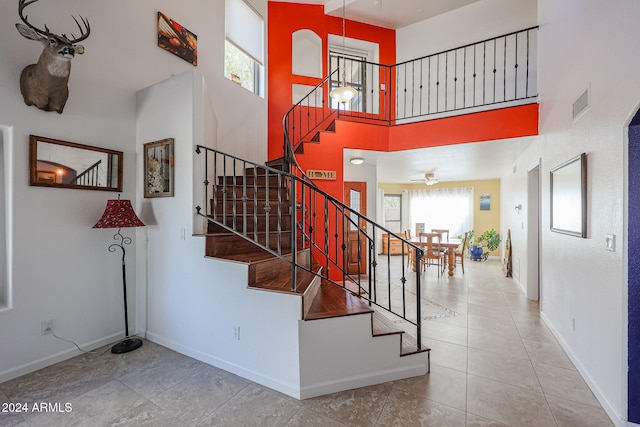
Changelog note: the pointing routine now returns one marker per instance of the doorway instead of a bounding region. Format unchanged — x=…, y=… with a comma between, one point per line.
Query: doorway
x=633, y=271
x=355, y=196
x=533, y=234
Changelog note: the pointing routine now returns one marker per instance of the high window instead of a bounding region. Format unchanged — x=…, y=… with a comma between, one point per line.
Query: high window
x=352, y=72
x=244, y=46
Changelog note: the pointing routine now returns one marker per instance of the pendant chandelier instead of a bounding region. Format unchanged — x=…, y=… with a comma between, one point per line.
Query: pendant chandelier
x=344, y=93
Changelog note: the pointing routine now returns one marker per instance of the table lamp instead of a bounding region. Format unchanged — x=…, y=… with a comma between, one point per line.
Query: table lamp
x=119, y=214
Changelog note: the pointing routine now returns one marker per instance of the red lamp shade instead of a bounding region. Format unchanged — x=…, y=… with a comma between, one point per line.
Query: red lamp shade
x=118, y=214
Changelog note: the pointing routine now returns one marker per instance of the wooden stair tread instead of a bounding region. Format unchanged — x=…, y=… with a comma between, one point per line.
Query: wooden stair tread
x=283, y=283
x=334, y=301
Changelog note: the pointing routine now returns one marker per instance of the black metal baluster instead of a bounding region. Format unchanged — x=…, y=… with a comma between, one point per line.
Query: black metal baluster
x=224, y=190
x=464, y=79
x=233, y=188
x=326, y=234
x=455, y=81
x=446, y=80
x=474, y=74
x=494, y=71
x=279, y=217
x=389, y=268
x=419, y=253
x=413, y=87
x=267, y=208
x=429, y=89
x=526, y=90
x=294, y=248
x=244, y=198
x=505, y=68
x=255, y=204
x=484, y=73
x=438, y=84
x=345, y=241
x=515, y=73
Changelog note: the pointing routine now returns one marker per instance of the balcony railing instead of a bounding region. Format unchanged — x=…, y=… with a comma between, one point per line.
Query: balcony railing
x=492, y=73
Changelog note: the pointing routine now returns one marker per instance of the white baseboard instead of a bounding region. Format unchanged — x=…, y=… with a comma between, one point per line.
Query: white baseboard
x=29, y=367
x=604, y=402
x=272, y=383
x=370, y=378
x=294, y=390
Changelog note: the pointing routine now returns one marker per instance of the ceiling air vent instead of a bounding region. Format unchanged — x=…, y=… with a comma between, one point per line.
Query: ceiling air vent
x=581, y=104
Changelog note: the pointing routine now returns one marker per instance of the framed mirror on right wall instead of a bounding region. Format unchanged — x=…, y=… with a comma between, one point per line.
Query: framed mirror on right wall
x=569, y=197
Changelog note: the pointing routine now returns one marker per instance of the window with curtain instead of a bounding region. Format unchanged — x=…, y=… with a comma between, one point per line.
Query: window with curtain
x=441, y=208
x=392, y=212
x=244, y=46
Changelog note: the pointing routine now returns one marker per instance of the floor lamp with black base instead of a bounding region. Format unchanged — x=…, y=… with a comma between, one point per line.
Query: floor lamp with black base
x=120, y=214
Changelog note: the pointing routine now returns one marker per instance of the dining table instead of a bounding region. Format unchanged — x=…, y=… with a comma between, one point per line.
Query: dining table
x=450, y=244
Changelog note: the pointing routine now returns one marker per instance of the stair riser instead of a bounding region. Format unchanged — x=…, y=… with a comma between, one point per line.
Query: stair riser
x=259, y=181
x=284, y=222
x=252, y=206
x=227, y=244
x=250, y=191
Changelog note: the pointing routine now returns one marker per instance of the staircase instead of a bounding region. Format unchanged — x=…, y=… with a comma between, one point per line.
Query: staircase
x=249, y=221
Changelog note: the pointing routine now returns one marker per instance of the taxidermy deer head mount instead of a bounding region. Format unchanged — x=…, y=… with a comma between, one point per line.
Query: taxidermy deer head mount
x=44, y=84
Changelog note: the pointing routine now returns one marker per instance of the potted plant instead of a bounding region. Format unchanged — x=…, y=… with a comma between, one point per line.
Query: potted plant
x=490, y=239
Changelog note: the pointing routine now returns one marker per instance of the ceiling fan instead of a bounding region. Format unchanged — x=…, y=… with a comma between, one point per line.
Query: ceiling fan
x=429, y=178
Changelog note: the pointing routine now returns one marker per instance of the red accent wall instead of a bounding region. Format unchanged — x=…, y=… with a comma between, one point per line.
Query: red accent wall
x=509, y=122
x=284, y=20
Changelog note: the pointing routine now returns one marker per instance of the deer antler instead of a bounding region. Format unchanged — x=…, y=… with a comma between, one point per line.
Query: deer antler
x=84, y=32
x=21, y=5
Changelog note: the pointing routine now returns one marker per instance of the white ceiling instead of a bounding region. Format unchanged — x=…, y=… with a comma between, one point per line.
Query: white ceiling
x=392, y=14
x=460, y=162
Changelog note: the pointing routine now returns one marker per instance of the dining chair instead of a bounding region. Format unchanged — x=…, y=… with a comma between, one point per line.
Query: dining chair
x=410, y=249
x=433, y=255
x=459, y=253
x=443, y=232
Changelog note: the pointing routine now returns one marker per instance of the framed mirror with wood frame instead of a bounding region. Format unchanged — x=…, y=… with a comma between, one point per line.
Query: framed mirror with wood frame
x=63, y=164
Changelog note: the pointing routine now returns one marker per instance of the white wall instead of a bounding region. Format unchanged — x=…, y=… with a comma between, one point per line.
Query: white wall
x=61, y=268
x=513, y=192
x=478, y=21
x=587, y=45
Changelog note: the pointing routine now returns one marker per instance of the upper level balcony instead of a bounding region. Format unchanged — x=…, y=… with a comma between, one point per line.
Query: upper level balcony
x=488, y=75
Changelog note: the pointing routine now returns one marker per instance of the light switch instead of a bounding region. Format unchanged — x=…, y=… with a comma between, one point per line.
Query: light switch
x=611, y=242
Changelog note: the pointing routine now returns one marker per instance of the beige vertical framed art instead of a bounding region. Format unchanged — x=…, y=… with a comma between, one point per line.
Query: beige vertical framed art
x=158, y=168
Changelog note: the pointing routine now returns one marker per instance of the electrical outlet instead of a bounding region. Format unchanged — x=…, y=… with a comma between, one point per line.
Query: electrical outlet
x=236, y=333
x=573, y=323
x=46, y=327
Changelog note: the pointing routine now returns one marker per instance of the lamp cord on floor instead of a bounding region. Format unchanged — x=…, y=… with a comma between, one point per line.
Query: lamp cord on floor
x=99, y=353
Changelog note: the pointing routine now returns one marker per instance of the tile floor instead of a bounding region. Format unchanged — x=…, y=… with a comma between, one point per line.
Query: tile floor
x=494, y=363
